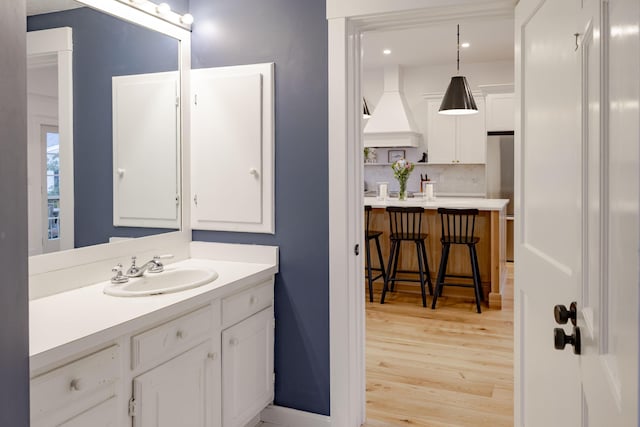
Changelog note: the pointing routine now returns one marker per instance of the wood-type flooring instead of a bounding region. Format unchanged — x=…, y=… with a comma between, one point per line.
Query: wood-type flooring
x=445, y=367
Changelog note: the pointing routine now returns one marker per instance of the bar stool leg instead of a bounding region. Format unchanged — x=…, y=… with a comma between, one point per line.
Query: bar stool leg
x=395, y=264
x=385, y=288
x=380, y=260
x=441, y=273
x=426, y=263
x=477, y=271
x=367, y=250
x=421, y=272
x=476, y=279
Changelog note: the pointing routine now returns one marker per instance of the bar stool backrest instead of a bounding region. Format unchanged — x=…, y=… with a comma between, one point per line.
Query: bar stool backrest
x=367, y=218
x=458, y=225
x=405, y=222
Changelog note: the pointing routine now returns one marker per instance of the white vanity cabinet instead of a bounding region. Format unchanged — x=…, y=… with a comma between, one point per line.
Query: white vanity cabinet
x=456, y=139
x=247, y=355
x=179, y=368
x=81, y=392
x=178, y=392
x=207, y=364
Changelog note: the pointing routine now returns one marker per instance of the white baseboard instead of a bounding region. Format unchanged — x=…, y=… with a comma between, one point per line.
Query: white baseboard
x=286, y=417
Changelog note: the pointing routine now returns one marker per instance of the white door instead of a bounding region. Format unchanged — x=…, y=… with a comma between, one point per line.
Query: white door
x=577, y=211
x=247, y=368
x=176, y=393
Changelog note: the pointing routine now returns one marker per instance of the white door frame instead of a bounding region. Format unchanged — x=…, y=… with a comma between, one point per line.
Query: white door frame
x=346, y=271
x=58, y=42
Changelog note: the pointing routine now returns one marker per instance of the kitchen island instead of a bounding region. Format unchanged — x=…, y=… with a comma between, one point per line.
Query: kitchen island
x=490, y=228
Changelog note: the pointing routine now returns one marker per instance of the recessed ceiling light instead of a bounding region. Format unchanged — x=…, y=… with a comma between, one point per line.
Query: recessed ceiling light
x=387, y=51
x=465, y=44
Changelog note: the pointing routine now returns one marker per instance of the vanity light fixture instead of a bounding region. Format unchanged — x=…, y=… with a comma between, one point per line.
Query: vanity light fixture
x=162, y=11
x=187, y=19
x=458, y=99
x=163, y=8
x=365, y=109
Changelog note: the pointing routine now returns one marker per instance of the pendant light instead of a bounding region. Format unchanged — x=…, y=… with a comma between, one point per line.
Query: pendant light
x=458, y=99
x=365, y=109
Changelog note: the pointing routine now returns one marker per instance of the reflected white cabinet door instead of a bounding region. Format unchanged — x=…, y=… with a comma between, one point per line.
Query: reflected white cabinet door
x=145, y=150
x=232, y=148
x=247, y=368
x=178, y=392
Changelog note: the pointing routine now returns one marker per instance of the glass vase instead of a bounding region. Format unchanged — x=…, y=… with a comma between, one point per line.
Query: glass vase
x=402, y=195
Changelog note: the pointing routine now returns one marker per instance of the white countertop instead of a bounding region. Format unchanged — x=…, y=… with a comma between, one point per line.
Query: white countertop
x=441, y=202
x=81, y=316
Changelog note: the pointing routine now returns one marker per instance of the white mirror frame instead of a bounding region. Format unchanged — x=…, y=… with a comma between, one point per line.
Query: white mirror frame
x=104, y=254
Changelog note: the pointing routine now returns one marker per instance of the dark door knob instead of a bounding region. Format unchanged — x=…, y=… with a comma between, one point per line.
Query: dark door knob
x=562, y=315
x=561, y=339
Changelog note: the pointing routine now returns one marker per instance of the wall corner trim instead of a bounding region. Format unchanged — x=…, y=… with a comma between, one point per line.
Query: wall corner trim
x=287, y=417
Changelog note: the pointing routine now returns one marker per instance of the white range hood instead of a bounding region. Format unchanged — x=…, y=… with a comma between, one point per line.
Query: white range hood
x=391, y=124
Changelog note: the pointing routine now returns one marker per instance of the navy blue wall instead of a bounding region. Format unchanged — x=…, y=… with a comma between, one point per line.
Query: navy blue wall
x=103, y=47
x=293, y=34
x=14, y=288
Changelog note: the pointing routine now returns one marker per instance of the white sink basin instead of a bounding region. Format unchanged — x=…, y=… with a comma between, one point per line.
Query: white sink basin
x=162, y=283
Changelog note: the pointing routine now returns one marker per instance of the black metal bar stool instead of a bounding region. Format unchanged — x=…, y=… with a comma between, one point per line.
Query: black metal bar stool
x=369, y=236
x=405, y=224
x=458, y=228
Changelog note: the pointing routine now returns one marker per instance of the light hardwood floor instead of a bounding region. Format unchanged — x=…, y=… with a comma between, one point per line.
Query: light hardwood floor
x=445, y=367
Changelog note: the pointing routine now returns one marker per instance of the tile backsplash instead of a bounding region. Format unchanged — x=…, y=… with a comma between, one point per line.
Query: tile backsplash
x=451, y=180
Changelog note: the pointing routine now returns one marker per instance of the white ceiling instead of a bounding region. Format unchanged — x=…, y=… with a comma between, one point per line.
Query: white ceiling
x=490, y=39
x=37, y=7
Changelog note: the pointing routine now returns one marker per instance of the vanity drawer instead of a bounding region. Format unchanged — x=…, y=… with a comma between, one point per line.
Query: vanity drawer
x=75, y=387
x=171, y=338
x=244, y=304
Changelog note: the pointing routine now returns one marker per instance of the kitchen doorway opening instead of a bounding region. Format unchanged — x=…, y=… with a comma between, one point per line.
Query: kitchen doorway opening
x=349, y=402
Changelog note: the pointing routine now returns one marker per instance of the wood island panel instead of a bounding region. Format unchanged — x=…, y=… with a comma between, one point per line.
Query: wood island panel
x=492, y=263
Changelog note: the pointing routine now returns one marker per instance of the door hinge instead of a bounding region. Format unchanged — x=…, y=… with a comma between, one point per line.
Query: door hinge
x=133, y=407
x=177, y=101
x=195, y=99
x=356, y=249
x=177, y=200
x=195, y=199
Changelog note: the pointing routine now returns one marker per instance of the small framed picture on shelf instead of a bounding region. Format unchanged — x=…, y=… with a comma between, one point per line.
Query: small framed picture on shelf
x=395, y=155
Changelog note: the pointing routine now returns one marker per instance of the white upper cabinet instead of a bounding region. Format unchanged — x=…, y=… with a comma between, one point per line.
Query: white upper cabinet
x=232, y=149
x=456, y=139
x=500, y=112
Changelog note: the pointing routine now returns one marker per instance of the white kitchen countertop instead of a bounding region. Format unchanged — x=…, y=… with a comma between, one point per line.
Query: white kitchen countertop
x=63, y=323
x=441, y=202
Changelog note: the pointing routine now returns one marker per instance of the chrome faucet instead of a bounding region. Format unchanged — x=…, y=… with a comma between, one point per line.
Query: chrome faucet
x=153, y=266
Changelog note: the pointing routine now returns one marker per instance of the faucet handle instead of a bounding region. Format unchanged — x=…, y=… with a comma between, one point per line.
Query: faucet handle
x=119, y=277
x=159, y=267
x=133, y=270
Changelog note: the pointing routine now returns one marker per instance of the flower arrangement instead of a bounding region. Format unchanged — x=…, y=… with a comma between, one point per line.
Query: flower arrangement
x=401, y=171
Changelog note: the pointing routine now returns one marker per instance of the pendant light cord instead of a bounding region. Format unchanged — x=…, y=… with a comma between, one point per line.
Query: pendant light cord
x=458, y=65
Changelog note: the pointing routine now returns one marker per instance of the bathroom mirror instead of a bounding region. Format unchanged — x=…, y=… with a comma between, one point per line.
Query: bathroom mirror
x=104, y=128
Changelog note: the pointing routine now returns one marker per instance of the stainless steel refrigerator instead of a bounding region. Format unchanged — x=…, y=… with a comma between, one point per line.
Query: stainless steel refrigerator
x=499, y=170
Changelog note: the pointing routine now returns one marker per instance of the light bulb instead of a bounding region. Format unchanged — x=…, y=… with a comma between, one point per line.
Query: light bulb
x=387, y=51
x=187, y=19
x=163, y=8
